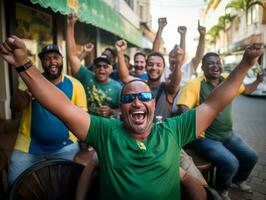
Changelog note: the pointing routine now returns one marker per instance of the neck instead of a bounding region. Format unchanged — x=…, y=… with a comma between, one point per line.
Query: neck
x=103, y=82
x=140, y=137
x=214, y=82
x=154, y=83
x=57, y=80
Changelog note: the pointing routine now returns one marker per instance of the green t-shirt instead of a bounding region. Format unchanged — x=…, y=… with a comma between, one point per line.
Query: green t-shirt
x=221, y=127
x=98, y=93
x=130, y=169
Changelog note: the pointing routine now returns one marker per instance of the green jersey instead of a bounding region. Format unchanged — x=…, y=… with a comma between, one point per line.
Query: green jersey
x=131, y=169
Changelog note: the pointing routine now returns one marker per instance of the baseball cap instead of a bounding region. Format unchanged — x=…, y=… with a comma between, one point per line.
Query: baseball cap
x=49, y=48
x=102, y=58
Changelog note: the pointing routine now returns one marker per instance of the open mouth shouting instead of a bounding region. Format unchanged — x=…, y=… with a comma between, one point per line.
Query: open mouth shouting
x=53, y=69
x=137, y=117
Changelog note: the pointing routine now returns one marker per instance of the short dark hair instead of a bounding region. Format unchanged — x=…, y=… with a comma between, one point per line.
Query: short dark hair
x=127, y=56
x=134, y=80
x=155, y=53
x=112, y=51
x=209, y=54
x=139, y=54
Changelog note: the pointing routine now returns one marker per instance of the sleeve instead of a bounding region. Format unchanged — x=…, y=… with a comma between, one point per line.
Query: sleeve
x=189, y=95
x=79, y=96
x=21, y=85
x=187, y=71
x=99, y=130
x=83, y=74
x=184, y=127
x=241, y=89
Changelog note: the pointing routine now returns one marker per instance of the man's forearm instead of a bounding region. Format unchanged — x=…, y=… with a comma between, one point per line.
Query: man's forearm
x=175, y=79
x=183, y=42
x=199, y=52
x=71, y=49
x=157, y=40
x=122, y=68
x=251, y=87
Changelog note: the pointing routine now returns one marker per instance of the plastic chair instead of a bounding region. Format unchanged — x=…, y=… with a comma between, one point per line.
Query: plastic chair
x=50, y=179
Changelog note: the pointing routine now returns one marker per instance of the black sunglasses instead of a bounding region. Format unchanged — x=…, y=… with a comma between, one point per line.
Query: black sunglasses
x=105, y=66
x=142, y=96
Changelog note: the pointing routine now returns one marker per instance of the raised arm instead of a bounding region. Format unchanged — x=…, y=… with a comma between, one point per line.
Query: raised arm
x=174, y=85
x=71, y=44
x=201, y=46
x=157, y=41
x=87, y=49
x=14, y=51
x=182, y=30
x=123, y=71
x=249, y=88
x=225, y=93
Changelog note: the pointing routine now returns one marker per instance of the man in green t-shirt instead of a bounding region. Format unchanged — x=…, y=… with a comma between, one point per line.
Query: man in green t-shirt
x=137, y=158
x=102, y=91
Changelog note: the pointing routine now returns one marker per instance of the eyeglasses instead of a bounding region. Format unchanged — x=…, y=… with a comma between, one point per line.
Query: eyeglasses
x=105, y=66
x=142, y=96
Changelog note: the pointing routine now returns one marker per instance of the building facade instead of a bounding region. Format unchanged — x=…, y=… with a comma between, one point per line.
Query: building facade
x=41, y=22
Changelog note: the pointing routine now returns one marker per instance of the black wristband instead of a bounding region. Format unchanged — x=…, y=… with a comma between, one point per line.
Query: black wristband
x=24, y=67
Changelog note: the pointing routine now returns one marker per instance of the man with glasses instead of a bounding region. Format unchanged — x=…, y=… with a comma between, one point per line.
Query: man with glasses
x=164, y=93
x=102, y=91
x=41, y=134
x=138, y=158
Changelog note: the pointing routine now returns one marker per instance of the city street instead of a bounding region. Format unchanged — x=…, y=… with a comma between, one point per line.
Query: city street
x=249, y=115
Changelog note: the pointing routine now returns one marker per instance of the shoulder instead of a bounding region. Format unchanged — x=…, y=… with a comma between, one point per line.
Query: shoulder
x=114, y=83
x=225, y=75
x=77, y=86
x=195, y=82
x=73, y=80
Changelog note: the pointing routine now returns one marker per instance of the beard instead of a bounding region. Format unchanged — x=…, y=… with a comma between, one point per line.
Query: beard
x=50, y=76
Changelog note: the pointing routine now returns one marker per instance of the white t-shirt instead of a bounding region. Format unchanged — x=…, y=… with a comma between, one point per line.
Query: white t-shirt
x=186, y=70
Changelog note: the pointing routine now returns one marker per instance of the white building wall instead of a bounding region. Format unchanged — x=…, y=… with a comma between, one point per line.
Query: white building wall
x=123, y=9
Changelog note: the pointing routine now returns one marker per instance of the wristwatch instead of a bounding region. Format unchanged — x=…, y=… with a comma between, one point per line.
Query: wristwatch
x=24, y=67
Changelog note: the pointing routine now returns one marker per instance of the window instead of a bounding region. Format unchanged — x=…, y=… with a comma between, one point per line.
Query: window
x=35, y=27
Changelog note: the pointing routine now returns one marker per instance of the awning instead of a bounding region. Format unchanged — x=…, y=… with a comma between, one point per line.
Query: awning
x=97, y=13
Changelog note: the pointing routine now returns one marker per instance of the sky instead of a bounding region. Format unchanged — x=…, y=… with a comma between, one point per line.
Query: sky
x=178, y=13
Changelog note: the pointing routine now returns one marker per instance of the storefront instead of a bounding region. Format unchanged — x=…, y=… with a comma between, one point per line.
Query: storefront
x=41, y=22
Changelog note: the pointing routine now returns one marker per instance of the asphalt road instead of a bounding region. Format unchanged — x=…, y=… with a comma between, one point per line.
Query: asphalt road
x=249, y=120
